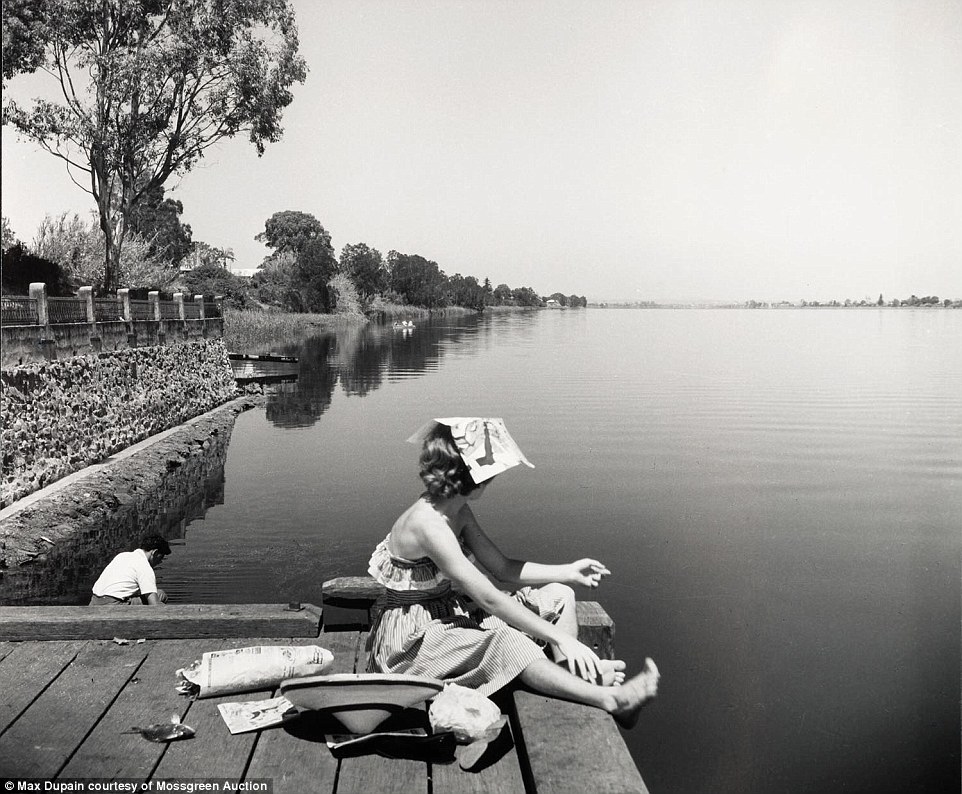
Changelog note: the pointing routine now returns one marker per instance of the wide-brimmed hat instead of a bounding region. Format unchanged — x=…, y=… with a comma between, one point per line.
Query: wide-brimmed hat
x=361, y=701
x=486, y=447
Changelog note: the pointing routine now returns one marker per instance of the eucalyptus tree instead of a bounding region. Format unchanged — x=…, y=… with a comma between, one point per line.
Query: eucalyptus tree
x=145, y=87
x=365, y=267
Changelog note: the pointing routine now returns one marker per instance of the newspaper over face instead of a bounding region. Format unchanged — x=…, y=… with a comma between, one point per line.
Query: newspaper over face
x=485, y=445
x=245, y=669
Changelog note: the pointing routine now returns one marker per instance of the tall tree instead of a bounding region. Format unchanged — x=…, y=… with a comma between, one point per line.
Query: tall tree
x=365, y=267
x=303, y=262
x=148, y=86
x=157, y=220
x=291, y=230
x=420, y=281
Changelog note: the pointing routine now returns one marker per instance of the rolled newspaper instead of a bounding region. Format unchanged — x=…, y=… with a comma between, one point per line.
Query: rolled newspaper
x=247, y=669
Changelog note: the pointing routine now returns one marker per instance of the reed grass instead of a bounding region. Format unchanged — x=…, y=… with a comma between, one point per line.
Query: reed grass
x=258, y=331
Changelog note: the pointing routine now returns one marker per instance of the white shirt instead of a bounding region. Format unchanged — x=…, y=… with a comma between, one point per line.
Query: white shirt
x=127, y=574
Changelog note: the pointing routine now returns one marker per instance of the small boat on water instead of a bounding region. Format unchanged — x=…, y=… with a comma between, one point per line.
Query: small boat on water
x=403, y=324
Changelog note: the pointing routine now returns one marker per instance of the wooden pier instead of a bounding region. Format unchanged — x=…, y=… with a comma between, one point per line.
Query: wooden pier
x=70, y=691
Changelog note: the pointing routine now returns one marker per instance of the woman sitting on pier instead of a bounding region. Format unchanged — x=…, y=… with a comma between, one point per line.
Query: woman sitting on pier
x=425, y=625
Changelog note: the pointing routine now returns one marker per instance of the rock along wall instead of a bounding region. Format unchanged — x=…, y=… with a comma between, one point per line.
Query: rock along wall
x=59, y=416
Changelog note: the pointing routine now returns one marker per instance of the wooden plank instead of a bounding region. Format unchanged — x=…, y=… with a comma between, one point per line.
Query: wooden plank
x=26, y=671
x=213, y=752
x=262, y=357
x=173, y=621
x=572, y=749
x=295, y=756
x=5, y=648
x=149, y=697
x=368, y=773
x=350, y=589
x=39, y=743
x=595, y=628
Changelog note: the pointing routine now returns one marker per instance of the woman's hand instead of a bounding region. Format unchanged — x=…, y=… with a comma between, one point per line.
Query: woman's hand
x=581, y=660
x=586, y=572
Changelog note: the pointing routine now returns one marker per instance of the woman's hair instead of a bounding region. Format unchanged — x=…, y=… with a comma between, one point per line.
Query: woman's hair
x=442, y=470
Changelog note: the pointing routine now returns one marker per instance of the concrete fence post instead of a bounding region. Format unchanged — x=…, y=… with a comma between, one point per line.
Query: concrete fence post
x=154, y=297
x=219, y=301
x=123, y=295
x=86, y=294
x=38, y=292
x=47, y=341
x=199, y=303
x=182, y=313
x=127, y=312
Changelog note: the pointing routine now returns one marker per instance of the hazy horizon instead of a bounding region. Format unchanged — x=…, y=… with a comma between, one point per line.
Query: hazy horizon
x=665, y=151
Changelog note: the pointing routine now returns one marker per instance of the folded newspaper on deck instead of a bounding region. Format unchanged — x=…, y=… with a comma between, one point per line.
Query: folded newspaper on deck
x=255, y=715
x=246, y=669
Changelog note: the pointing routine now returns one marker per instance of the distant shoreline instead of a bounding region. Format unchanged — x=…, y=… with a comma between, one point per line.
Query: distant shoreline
x=928, y=306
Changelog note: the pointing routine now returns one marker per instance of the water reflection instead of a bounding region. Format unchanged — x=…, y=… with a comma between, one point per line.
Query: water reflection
x=65, y=574
x=360, y=358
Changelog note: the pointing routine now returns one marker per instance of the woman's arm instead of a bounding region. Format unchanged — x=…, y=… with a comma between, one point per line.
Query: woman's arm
x=587, y=572
x=443, y=548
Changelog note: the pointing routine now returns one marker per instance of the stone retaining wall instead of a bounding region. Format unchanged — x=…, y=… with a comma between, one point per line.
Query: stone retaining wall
x=59, y=416
x=52, y=551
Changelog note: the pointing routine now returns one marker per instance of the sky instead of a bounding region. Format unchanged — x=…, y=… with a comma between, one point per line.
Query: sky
x=640, y=150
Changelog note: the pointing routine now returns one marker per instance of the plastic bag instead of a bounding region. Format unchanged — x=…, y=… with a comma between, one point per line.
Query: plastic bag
x=466, y=713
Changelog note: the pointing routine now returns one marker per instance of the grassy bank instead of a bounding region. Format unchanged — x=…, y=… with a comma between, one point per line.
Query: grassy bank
x=258, y=331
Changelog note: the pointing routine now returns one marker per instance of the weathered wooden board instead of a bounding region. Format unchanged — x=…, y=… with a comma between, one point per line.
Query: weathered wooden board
x=213, y=752
x=5, y=648
x=595, y=628
x=572, y=749
x=295, y=757
x=149, y=697
x=41, y=740
x=372, y=772
x=27, y=670
x=173, y=621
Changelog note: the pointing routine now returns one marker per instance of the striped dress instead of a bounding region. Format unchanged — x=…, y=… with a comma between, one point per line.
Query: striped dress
x=424, y=627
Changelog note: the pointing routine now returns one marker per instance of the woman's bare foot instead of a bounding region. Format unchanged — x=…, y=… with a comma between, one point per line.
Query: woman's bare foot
x=612, y=672
x=629, y=698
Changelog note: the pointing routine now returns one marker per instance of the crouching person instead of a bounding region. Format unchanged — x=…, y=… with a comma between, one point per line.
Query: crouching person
x=130, y=575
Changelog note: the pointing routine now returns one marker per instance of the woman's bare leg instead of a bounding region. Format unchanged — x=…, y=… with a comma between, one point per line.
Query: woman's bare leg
x=612, y=670
x=623, y=702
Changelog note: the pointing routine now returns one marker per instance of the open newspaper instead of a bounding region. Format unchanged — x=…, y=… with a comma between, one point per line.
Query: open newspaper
x=255, y=715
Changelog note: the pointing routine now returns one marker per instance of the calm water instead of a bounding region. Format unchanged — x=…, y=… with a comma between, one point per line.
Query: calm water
x=777, y=493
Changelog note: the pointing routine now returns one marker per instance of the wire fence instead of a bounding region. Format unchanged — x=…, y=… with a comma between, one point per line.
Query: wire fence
x=20, y=310
x=141, y=310
x=15, y=310
x=66, y=310
x=108, y=309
